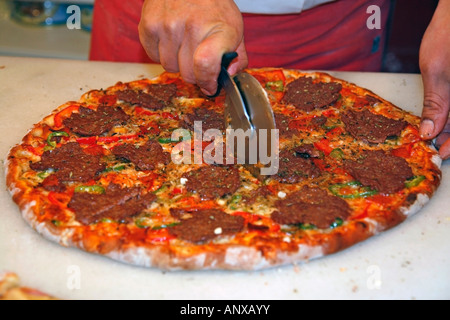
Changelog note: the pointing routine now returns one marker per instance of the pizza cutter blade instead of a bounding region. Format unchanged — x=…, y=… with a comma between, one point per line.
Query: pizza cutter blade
x=248, y=113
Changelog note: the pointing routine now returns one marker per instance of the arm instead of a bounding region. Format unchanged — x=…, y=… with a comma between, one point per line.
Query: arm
x=435, y=68
x=190, y=37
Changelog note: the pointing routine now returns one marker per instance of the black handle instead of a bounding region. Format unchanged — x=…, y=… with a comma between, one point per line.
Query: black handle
x=226, y=60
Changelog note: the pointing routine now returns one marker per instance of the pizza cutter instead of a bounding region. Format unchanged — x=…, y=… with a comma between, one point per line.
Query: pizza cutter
x=247, y=107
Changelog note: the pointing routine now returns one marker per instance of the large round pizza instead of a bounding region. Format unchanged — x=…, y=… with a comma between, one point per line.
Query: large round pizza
x=103, y=174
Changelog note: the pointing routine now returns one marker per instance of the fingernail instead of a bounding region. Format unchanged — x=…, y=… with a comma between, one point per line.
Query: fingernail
x=207, y=92
x=444, y=155
x=426, y=129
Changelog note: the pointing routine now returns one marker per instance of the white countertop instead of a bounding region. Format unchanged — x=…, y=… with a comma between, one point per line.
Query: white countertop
x=411, y=261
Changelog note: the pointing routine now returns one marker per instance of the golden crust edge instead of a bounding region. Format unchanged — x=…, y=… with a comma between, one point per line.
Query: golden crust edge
x=158, y=258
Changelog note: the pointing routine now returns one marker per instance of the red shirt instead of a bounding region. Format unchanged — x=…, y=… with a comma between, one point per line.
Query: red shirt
x=333, y=36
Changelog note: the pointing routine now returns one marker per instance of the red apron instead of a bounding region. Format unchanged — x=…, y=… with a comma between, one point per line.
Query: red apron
x=333, y=36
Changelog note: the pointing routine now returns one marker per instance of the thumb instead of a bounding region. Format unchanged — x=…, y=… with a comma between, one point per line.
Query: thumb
x=436, y=106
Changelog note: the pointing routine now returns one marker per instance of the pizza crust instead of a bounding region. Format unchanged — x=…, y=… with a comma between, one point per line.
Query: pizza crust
x=422, y=200
x=233, y=258
x=437, y=160
x=172, y=256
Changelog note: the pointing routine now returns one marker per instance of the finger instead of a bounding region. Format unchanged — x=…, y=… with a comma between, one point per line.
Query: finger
x=168, y=53
x=194, y=41
x=443, y=141
x=186, y=60
x=207, y=62
x=434, y=115
x=186, y=64
x=436, y=103
x=444, y=151
x=208, y=59
x=241, y=62
x=149, y=41
x=160, y=35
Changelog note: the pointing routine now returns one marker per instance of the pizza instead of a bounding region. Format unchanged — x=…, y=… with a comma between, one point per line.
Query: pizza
x=12, y=289
x=109, y=174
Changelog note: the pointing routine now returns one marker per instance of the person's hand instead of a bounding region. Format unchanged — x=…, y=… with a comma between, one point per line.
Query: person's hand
x=435, y=69
x=190, y=37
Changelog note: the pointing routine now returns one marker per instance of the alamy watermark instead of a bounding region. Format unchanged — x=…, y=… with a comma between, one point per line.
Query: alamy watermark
x=74, y=19
x=74, y=277
x=374, y=280
x=374, y=20
x=240, y=147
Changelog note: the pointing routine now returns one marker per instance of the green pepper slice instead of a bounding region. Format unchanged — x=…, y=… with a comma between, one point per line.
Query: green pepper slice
x=235, y=199
x=165, y=140
x=163, y=188
x=116, y=168
x=169, y=140
x=414, y=181
x=306, y=226
x=337, y=154
x=90, y=189
x=51, y=143
x=275, y=85
x=164, y=226
x=359, y=191
x=57, y=223
x=44, y=174
x=141, y=222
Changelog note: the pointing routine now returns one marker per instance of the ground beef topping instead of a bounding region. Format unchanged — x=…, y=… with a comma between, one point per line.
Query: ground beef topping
x=70, y=163
x=88, y=122
x=115, y=203
x=369, y=127
x=307, y=95
x=307, y=151
x=296, y=164
x=379, y=170
x=146, y=157
x=211, y=182
x=282, y=124
x=261, y=193
x=209, y=118
x=311, y=206
x=164, y=92
x=141, y=98
x=372, y=100
x=203, y=225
